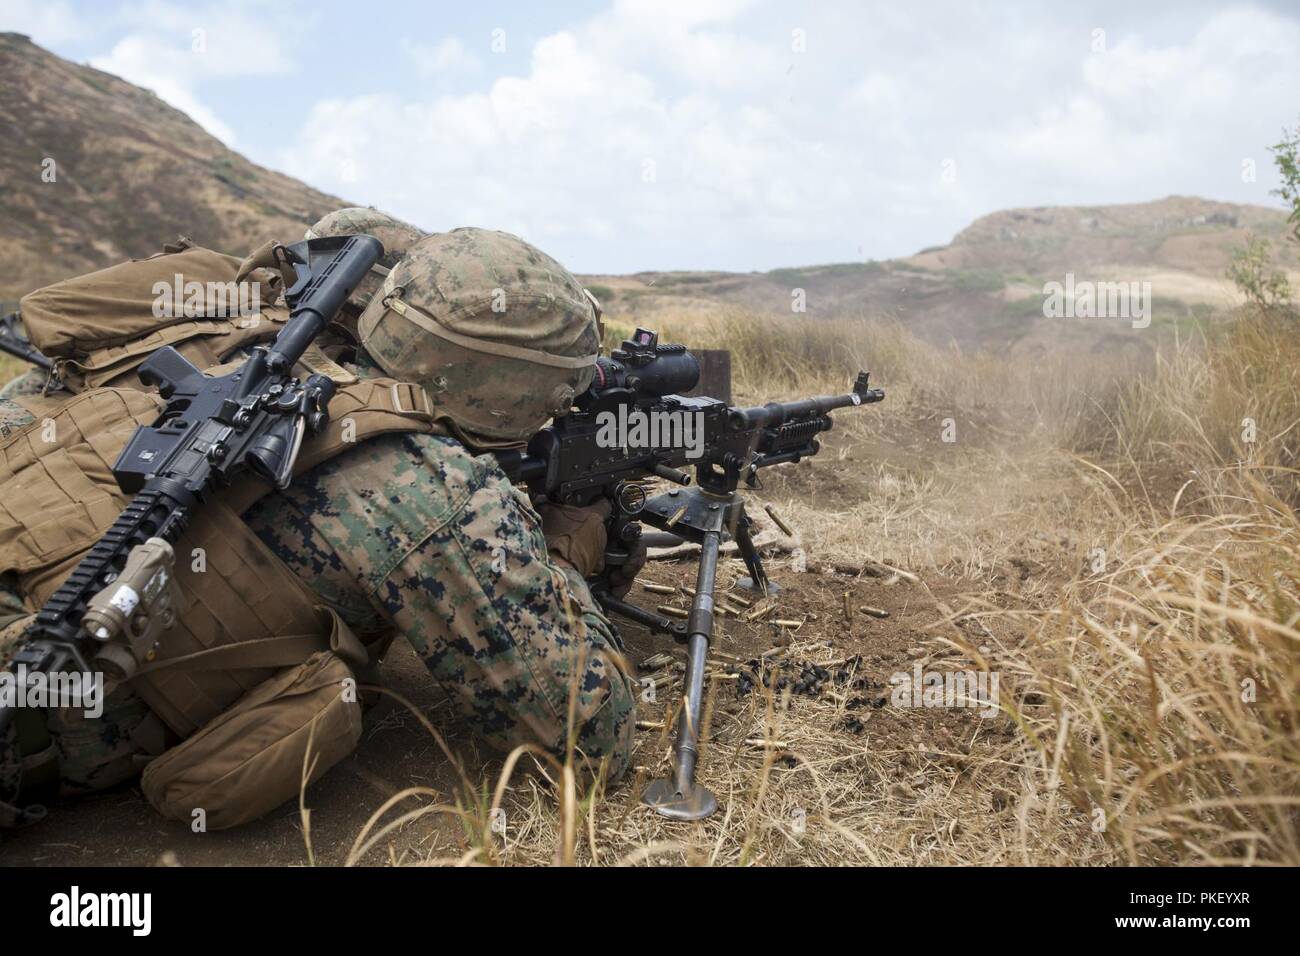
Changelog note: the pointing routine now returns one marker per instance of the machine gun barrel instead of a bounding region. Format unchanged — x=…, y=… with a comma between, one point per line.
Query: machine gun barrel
x=775, y=414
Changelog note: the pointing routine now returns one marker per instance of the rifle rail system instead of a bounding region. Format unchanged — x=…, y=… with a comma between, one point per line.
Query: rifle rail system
x=211, y=430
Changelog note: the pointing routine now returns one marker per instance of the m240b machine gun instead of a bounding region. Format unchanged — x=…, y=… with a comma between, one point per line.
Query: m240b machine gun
x=573, y=462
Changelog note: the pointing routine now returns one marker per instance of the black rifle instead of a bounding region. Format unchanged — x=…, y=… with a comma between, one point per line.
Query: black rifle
x=13, y=341
x=571, y=462
x=212, y=430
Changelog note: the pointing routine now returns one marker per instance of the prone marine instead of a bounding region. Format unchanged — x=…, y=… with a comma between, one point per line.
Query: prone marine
x=397, y=522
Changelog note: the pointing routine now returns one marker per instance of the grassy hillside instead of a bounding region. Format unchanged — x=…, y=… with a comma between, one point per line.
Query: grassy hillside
x=985, y=289
x=129, y=173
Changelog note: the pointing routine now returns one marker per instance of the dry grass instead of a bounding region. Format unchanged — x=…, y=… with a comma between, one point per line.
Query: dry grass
x=1147, y=645
x=1171, y=677
x=1216, y=409
x=1172, y=670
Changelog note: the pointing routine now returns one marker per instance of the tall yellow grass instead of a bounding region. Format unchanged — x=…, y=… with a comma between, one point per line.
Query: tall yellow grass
x=1171, y=676
x=1173, y=673
x=1169, y=665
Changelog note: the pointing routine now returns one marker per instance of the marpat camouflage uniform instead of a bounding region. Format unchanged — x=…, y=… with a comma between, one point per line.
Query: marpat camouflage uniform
x=413, y=532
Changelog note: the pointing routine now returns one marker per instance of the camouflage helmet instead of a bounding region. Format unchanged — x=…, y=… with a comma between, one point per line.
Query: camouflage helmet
x=501, y=335
x=396, y=235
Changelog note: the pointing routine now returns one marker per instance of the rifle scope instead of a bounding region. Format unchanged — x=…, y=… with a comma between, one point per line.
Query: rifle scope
x=647, y=368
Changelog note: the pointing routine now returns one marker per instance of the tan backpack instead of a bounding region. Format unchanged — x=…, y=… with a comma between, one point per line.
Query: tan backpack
x=98, y=327
x=244, y=678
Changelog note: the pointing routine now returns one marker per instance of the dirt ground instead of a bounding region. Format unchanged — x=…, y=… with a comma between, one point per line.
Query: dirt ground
x=859, y=654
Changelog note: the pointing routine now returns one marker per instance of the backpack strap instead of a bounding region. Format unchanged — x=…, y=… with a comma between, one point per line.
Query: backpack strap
x=263, y=257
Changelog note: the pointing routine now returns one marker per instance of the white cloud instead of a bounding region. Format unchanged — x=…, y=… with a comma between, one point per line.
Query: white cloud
x=137, y=61
x=683, y=40
x=220, y=39
x=1143, y=109
x=590, y=144
x=48, y=22
x=174, y=50
x=696, y=134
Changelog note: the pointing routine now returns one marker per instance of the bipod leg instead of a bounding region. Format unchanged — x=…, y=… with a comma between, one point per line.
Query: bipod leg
x=679, y=797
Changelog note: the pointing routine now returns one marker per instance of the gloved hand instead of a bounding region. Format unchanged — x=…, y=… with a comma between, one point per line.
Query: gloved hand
x=620, y=577
x=576, y=534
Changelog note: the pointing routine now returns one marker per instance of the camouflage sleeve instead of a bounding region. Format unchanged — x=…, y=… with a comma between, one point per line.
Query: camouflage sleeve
x=12, y=415
x=31, y=382
x=412, y=531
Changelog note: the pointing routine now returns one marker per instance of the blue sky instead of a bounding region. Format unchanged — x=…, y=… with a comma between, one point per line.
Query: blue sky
x=719, y=134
